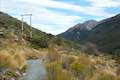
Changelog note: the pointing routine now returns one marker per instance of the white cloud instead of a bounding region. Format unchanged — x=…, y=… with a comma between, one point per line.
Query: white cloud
x=43, y=18
x=55, y=23
x=52, y=22
x=90, y=10
x=105, y=3
x=55, y=4
x=48, y=28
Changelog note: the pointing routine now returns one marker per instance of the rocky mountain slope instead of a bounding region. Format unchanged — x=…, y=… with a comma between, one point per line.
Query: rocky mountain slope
x=105, y=34
x=79, y=31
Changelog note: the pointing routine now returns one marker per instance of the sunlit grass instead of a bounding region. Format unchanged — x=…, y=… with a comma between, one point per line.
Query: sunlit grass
x=6, y=60
x=11, y=56
x=80, y=66
x=55, y=72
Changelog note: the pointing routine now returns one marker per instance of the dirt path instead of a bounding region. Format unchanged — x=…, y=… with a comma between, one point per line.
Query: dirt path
x=35, y=70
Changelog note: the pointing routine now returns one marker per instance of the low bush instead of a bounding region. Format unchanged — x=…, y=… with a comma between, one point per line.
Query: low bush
x=55, y=72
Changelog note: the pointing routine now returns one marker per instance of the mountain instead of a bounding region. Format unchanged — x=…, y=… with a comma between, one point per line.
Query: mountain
x=61, y=62
x=10, y=29
x=79, y=31
x=106, y=35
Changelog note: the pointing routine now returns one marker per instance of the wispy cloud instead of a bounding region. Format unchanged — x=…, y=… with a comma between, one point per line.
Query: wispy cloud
x=105, y=3
x=55, y=22
x=89, y=10
x=49, y=20
x=43, y=18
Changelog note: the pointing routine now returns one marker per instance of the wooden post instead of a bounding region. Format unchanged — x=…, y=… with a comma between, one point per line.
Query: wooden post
x=22, y=22
x=30, y=25
x=22, y=26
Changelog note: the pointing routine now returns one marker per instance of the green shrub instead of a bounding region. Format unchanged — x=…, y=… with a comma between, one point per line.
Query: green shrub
x=39, y=43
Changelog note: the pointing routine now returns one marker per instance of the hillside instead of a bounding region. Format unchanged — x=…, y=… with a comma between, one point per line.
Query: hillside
x=11, y=28
x=106, y=35
x=10, y=25
x=79, y=31
x=103, y=34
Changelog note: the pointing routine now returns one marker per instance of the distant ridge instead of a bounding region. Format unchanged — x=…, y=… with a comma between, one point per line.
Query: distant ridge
x=105, y=34
x=79, y=31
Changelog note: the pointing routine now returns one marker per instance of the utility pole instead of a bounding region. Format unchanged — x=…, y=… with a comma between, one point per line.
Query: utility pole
x=22, y=24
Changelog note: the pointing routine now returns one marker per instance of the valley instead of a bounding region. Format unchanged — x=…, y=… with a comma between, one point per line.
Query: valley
x=68, y=56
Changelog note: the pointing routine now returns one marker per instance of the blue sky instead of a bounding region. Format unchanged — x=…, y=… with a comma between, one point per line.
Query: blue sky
x=56, y=16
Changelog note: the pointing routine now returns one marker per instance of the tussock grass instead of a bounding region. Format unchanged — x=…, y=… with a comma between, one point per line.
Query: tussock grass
x=55, y=72
x=80, y=66
x=20, y=60
x=11, y=56
x=12, y=61
x=32, y=53
x=105, y=76
x=6, y=60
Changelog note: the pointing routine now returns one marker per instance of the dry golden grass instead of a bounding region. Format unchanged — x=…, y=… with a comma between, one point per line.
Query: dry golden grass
x=11, y=56
x=6, y=60
x=81, y=66
x=55, y=72
x=20, y=60
x=30, y=53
